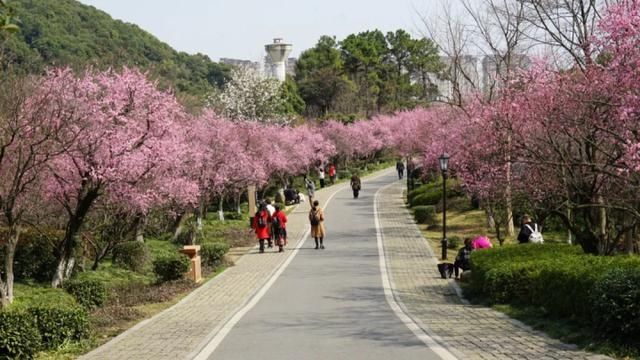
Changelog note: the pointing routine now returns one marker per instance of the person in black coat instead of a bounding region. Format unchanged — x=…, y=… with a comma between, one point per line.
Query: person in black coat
x=526, y=229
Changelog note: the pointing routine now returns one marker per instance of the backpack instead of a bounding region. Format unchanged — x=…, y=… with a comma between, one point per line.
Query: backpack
x=536, y=236
x=261, y=221
x=314, y=219
x=275, y=221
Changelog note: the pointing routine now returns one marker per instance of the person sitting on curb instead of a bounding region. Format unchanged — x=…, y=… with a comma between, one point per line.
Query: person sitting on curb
x=463, y=259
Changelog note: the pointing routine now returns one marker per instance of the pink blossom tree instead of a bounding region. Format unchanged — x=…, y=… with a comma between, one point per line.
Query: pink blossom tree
x=121, y=133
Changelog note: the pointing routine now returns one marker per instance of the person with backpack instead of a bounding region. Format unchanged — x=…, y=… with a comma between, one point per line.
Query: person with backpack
x=316, y=219
x=261, y=222
x=400, y=168
x=356, y=184
x=279, y=226
x=271, y=210
x=529, y=232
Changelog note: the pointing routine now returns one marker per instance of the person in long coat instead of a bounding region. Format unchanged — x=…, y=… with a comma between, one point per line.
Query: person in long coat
x=316, y=218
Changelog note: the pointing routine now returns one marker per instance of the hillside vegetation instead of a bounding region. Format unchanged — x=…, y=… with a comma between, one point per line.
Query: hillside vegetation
x=66, y=32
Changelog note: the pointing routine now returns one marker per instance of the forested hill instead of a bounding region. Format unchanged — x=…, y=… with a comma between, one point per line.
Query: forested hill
x=66, y=32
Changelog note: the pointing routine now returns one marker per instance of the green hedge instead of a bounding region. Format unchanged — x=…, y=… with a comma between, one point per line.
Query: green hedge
x=565, y=282
x=25, y=331
x=431, y=193
x=35, y=257
x=131, y=255
x=88, y=293
x=19, y=335
x=60, y=324
x=212, y=254
x=616, y=303
x=171, y=266
x=425, y=214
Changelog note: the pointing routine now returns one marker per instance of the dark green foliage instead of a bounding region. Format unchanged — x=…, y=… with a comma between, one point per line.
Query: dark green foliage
x=35, y=257
x=564, y=282
x=616, y=303
x=66, y=32
x=431, y=193
x=59, y=324
x=233, y=215
x=343, y=174
x=425, y=214
x=131, y=255
x=171, y=266
x=19, y=336
x=454, y=242
x=88, y=293
x=212, y=254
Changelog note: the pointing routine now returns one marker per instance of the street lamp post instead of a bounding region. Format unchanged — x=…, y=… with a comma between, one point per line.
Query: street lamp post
x=444, y=165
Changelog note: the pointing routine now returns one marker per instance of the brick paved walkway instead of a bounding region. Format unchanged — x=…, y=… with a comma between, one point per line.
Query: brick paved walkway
x=182, y=330
x=469, y=332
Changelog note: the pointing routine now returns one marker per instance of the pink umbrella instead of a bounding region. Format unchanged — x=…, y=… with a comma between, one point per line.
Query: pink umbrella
x=481, y=242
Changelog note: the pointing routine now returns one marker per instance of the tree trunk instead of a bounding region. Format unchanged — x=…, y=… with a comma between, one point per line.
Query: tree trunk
x=238, y=198
x=509, y=206
x=63, y=271
x=66, y=260
x=602, y=226
x=200, y=215
x=221, y=208
x=628, y=242
x=6, y=285
x=139, y=228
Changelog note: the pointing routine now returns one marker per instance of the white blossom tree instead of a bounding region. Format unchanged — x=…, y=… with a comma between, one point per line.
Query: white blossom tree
x=249, y=96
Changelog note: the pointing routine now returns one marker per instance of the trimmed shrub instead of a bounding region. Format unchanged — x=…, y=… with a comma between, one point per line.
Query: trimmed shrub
x=59, y=324
x=131, y=255
x=454, y=242
x=343, y=174
x=88, y=293
x=212, y=254
x=425, y=214
x=35, y=256
x=19, y=335
x=431, y=193
x=171, y=266
x=615, y=303
x=233, y=215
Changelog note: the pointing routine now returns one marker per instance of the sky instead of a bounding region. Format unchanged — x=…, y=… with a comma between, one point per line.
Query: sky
x=240, y=28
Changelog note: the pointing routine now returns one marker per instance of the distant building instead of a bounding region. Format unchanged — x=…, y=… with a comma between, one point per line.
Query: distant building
x=254, y=65
x=474, y=74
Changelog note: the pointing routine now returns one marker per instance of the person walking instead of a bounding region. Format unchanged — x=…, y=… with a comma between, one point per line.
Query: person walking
x=311, y=188
x=529, y=232
x=400, y=168
x=279, y=225
x=271, y=209
x=261, y=223
x=332, y=174
x=321, y=176
x=316, y=219
x=356, y=185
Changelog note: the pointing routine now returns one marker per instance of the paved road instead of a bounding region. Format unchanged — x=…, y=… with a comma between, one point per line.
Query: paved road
x=329, y=304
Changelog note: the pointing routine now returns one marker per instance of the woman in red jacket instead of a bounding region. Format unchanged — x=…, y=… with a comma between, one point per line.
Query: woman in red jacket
x=279, y=225
x=261, y=222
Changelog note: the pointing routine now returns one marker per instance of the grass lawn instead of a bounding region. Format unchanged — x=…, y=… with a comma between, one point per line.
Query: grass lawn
x=133, y=296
